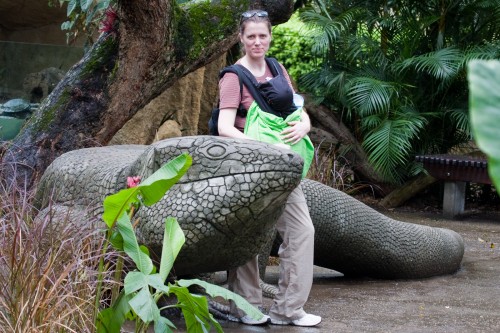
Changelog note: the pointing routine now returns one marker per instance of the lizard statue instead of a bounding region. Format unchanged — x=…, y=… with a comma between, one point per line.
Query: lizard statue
x=227, y=204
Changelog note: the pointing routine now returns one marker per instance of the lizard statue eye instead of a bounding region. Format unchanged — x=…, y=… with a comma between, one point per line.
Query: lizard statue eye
x=216, y=150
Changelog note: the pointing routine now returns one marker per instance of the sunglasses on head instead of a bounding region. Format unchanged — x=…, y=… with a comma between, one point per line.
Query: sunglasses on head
x=259, y=13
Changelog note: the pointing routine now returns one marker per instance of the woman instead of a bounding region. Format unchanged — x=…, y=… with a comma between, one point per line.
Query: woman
x=295, y=225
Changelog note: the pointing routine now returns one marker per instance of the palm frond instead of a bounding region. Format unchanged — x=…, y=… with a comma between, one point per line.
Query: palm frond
x=387, y=148
x=326, y=31
x=460, y=119
x=327, y=81
x=369, y=95
x=486, y=15
x=390, y=144
x=442, y=64
x=407, y=36
x=363, y=50
x=488, y=51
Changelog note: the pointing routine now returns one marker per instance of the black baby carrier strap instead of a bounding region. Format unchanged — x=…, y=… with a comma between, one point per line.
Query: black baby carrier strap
x=274, y=96
x=213, y=122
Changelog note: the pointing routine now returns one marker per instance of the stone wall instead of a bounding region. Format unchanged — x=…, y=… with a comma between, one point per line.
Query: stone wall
x=21, y=60
x=32, y=21
x=31, y=42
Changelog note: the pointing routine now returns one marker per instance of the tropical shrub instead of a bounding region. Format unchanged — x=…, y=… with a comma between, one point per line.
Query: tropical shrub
x=143, y=287
x=292, y=46
x=85, y=18
x=396, y=72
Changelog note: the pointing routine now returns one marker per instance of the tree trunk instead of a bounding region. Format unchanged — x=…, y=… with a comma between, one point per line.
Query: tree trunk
x=155, y=43
x=407, y=191
x=328, y=129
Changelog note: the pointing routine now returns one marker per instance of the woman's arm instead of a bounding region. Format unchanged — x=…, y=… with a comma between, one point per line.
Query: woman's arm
x=226, y=127
x=229, y=97
x=305, y=118
x=297, y=129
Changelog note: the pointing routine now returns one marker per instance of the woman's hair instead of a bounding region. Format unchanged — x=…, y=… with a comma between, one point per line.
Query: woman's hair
x=255, y=16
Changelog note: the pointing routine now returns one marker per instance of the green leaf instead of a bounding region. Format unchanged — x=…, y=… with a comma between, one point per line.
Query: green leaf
x=163, y=325
x=116, y=240
x=145, y=306
x=71, y=7
x=85, y=4
x=388, y=146
x=67, y=25
x=116, y=204
x=152, y=189
x=144, y=250
x=370, y=95
x=195, y=310
x=155, y=186
x=156, y=281
x=217, y=291
x=131, y=247
x=135, y=281
x=103, y=4
x=90, y=15
x=484, y=86
x=110, y=320
x=442, y=64
x=173, y=239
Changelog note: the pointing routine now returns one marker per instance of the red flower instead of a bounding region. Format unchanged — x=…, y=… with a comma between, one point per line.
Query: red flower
x=108, y=23
x=133, y=181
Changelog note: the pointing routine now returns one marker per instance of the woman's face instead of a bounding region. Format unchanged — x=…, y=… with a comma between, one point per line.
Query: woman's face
x=256, y=39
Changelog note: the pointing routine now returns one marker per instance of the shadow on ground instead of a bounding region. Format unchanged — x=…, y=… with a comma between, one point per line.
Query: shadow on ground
x=467, y=301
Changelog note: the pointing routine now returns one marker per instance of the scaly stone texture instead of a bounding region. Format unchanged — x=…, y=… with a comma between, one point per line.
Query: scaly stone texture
x=229, y=200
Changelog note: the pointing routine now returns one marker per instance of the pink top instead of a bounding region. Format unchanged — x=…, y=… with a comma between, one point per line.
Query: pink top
x=229, y=93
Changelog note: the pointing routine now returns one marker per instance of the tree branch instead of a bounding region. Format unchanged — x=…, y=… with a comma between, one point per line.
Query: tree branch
x=157, y=43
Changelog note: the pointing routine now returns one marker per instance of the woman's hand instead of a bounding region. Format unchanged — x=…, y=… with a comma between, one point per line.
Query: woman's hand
x=296, y=131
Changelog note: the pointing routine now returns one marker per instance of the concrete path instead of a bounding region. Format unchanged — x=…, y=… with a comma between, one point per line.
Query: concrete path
x=467, y=301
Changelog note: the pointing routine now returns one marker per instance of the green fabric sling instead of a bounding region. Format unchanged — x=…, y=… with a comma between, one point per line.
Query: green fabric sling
x=266, y=127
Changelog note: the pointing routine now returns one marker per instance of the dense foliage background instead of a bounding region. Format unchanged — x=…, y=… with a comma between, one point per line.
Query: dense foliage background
x=293, y=46
x=394, y=71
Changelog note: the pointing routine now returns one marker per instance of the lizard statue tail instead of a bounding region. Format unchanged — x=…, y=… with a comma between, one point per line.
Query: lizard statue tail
x=354, y=239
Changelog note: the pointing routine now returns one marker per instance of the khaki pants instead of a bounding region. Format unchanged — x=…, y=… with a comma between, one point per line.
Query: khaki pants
x=296, y=264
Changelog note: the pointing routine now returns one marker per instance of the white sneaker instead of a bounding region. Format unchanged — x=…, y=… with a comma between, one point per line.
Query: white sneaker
x=249, y=321
x=306, y=321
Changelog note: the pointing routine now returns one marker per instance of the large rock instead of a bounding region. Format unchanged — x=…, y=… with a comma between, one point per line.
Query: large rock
x=184, y=107
x=169, y=129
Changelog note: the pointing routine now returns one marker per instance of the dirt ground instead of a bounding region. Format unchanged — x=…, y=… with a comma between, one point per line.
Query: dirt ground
x=467, y=301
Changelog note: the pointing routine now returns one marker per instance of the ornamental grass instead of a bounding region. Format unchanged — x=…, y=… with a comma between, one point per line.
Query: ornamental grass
x=48, y=270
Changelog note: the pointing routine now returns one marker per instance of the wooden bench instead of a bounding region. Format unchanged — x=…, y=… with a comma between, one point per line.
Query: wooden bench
x=455, y=171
